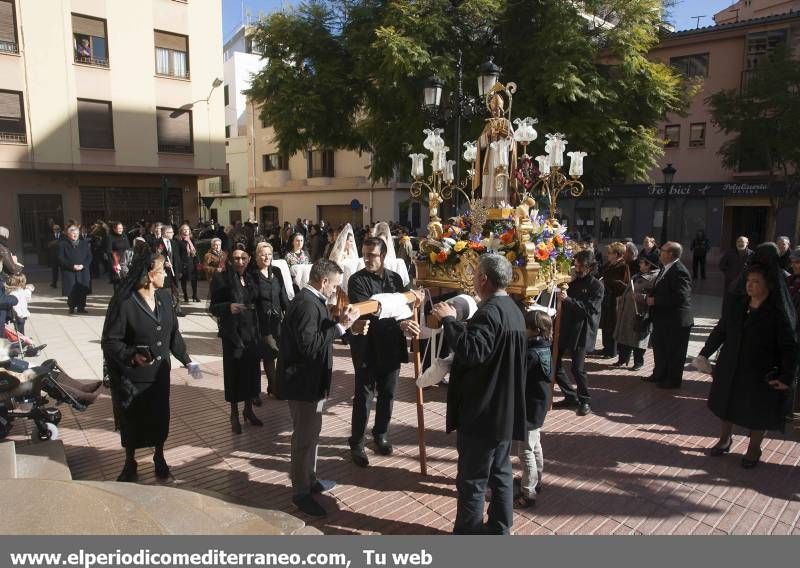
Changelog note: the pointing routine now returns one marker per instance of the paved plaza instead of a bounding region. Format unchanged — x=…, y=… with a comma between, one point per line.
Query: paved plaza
x=635, y=466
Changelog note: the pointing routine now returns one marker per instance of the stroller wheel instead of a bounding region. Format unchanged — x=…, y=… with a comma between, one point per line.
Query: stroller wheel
x=48, y=431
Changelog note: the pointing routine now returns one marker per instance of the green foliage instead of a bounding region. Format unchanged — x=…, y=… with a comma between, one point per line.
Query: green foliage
x=761, y=119
x=349, y=74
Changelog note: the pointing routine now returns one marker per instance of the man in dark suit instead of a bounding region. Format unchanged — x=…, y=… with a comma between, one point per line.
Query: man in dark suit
x=378, y=355
x=303, y=376
x=167, y=246
x=670, y=303
x=580, y=318
x=52, y=254
x=486, y=397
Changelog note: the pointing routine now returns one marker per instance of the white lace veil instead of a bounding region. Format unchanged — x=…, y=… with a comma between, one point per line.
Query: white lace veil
x=341, y=251
x=382, y=231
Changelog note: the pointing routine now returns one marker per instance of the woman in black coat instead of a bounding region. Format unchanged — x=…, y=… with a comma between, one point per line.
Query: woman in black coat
x=75, y=259
x=271, y=304
x=615, y=277
x=233, y=298
x=756, y=367
x=140, y=333
x=189, y=259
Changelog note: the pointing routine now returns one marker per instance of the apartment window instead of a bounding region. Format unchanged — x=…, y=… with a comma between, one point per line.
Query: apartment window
x=697, y=134
x=12, y=118
x=264, y=123
x=691, y=65
x=251, y=46
x=273, y=162
x=228, y=131
x=8, y=28
x=672, y=135
x=226, y=94
x=761, y=45
x=95, y=124
x=174, y=128
x=320, y=163
x=172, y=55
x=89, y=40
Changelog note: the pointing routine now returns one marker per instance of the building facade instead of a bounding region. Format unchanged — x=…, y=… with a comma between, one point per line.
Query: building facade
x=704, y=195
x=225, y=197
x=108, y=110
x=333, y=185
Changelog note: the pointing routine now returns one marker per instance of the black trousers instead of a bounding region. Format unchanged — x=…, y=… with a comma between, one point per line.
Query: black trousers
x=579, y=392
x=670, y=345
x=368, y=383
x=77, y=296
x=609, y=343
x=481, y=463
x=185, y=279
x=625, y=354
x=54, y=271
x=699, y=261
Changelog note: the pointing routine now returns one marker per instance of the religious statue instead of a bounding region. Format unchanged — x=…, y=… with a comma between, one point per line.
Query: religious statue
x=496, y=143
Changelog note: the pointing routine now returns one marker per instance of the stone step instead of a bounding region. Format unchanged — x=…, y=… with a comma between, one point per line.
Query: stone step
x=8, y=460
x=42, y=460
x=46, y=506
x=184, y=512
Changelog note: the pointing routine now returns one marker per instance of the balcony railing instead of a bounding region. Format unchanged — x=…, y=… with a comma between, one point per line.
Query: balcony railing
x=9, y=47
x=89, y=60
x=223, y=186
x=173, y=74
x=13, y=138
x=175, y=148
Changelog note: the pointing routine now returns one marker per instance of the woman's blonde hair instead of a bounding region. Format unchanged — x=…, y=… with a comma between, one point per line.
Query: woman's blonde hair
x=617, y=247
x=182, y=227
x=261, y=245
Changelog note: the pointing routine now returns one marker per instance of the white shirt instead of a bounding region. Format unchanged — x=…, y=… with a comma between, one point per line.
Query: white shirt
x=22, y=295
x=340, y=331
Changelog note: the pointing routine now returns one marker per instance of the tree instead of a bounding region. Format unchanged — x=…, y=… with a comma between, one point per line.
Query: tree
x=761, y=120
x=349, y=74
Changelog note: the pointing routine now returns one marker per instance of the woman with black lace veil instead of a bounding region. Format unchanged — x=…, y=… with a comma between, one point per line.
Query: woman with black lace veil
x=756, y=369
x=139, y=335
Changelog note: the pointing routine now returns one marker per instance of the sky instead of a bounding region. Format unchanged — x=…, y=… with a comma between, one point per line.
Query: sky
x=682, y=14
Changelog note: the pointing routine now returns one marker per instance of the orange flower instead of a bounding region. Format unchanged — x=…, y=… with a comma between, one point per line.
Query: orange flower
x=507, y=237
x=550, y=246
x=442, y=257
x=542, y=253
x=558, y=240
x=475, y=246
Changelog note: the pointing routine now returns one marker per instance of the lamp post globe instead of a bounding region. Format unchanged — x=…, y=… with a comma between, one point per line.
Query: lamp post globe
x=432, y=94
x=488, y=74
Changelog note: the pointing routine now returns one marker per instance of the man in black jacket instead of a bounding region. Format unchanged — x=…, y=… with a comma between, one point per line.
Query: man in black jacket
x=167, y=246
x=303, y=376
x=486, y=397
x=378, y=355
x=580, y=317
x=52, y=254
x=670, y=303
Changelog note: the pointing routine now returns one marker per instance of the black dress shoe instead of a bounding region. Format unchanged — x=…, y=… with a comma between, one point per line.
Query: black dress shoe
x=748, y=463
x=129, y=472
x=637, y=367
x=71, y=311
x=161, y=467
x=196, y=300
x=619, y=363
x=323, y=485
x=359, y=457
x=565, y=403
x=584, y=409
x=309, y=506
x=383, y=445
x=721, y=450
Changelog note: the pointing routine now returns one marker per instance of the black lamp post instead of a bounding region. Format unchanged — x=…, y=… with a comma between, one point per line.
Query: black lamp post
x=669, y=175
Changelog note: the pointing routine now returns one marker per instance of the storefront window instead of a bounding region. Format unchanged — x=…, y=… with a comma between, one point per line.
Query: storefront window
x=584, y=221
x=611, y=222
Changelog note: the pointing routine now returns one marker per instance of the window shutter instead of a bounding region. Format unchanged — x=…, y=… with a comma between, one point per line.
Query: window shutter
x=172, y=41
x=8, y=32
x=174, y=134
x=11, y=112
x=88, y=26
x=95, y=124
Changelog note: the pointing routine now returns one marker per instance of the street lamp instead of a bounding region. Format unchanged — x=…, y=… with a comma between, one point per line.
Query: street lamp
x=432, y=94
x=488, y=74
x=669, y=174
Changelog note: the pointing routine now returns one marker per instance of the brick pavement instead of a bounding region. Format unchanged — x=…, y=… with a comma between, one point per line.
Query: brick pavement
x=635, y=466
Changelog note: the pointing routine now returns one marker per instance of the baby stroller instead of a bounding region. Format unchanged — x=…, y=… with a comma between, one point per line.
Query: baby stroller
x=21, y=394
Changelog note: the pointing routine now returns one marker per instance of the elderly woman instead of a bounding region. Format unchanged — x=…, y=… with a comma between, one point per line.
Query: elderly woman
x=615, y=276
x=140, y=333
x=632, y=332
x=75, y=259
x=271, y=303
x=757, y=364
x=631, y=257
x=215, y=259
x=187, y=255
x=233, y=298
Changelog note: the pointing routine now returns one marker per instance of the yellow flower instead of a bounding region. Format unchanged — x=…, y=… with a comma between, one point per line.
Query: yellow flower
x=432, y=256
x=459, y=246
x=511, y=256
